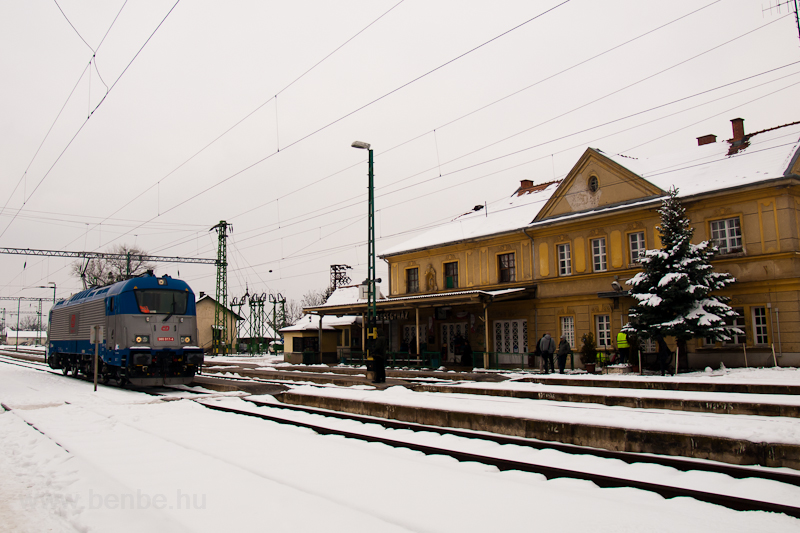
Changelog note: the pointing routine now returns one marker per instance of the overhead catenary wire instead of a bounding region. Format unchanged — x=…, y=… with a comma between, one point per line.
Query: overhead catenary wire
x=350, y=202
x=529, y=20
x=259, y=107
x=429, y=226
x=58, y=115
x=73, y=27
x=83, y=124
x=442, y=126
x=360, y=108
x=285, y=224
x=559, y=116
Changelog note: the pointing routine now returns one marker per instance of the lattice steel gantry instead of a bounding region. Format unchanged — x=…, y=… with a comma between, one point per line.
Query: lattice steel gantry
x=221, y=328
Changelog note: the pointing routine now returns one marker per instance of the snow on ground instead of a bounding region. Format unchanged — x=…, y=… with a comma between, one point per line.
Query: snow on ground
x=259, y=359
x=117, y=460
x=750, y=488
x=763, y=376
x=720, y=397
x=747, y=427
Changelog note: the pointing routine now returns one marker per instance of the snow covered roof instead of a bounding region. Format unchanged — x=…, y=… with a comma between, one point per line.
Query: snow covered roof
x=347, y=296
x=26, y=334
x=311, y=323
x=511, y=214
x=765, y=155
x=440, y=295
x=717, y=166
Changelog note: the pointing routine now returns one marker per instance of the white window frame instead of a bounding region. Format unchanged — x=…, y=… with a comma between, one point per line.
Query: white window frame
x=564, y=254
x=510, y=338
x=739, y=322
x=649, y=346
x=599, y=255
x=726, y=234
x=637, y=246
x=568, y=329
x=602, y=328
x=760, y=325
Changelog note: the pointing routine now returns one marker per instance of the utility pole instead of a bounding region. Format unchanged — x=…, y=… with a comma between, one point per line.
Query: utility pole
x=339, y=277
x=16, y=343
x=221, y=331
x=790, y=4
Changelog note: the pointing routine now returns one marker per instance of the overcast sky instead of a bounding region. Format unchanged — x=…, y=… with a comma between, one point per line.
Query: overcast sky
x=244, y=111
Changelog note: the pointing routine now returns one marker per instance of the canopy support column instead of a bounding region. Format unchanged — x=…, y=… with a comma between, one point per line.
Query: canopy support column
x=416, y=310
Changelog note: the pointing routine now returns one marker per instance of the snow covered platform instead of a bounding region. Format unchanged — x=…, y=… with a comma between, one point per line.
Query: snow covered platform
x=676, y=383
x=702, y=402
x=343, y=370
x=735, y=439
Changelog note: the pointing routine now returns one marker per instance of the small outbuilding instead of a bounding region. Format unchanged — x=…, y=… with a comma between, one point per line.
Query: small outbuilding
x=306, y=343
x=25, y=338
x=207, y=331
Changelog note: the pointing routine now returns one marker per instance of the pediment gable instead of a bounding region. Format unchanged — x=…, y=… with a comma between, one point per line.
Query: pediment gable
x=597, y=182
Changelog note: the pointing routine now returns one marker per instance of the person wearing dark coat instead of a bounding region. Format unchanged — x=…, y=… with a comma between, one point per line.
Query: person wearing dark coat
x=564, y=350
x=664, y=354
x=378, y=358
x=547, y=346
x=466, y=355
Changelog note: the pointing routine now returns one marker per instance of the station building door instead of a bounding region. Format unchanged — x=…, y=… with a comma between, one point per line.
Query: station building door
x=449, y=332
x=410, y=336
x=510, y=337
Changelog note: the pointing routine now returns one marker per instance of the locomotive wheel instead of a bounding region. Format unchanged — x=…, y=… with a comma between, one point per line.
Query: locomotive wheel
x=65, y=370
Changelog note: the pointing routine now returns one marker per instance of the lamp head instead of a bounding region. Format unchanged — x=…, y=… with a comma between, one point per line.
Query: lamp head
x=360, y=144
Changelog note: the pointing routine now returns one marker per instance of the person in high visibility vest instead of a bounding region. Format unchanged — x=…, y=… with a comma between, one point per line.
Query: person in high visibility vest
x=623, y=347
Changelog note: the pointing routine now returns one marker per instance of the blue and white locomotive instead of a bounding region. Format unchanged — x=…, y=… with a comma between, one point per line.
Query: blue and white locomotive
x=150, y=332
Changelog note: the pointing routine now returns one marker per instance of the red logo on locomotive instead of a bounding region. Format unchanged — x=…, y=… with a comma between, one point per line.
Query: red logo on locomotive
x=164, y=328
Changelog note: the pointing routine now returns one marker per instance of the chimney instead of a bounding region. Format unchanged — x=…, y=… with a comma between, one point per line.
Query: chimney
x=524, y=187
x=202, y=294
x=706, y=139
x=738, y=130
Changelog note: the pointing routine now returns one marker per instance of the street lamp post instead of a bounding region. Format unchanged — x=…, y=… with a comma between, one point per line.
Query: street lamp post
x=48, y=286
x=372, y=313
x=53, y=283
x=16, y=344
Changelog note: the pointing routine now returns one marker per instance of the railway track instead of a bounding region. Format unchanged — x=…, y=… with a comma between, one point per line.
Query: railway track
x=153, y=391
x=25, y=363
x=603, y=481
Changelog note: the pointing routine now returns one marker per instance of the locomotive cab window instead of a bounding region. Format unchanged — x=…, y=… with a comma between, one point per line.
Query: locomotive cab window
x=161, y=301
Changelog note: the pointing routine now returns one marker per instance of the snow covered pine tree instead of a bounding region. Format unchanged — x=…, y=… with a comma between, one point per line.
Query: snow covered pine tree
x=674, y=288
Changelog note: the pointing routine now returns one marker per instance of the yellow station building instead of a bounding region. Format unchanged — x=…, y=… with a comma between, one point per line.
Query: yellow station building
x=555, y=256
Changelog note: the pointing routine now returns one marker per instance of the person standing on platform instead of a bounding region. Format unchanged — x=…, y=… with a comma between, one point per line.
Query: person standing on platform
x=624, y=347
x=547, y=346
x=378, y=358
x=564, y=350
x=664, y=354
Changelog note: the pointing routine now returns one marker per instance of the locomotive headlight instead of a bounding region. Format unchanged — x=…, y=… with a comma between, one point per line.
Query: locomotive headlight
x=186, y=340
x=142, y=339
